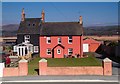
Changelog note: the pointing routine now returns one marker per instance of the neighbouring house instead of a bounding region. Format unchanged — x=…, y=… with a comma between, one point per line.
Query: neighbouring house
x=61, y=39
x=91, y=45
x=28, y=33
x=23, y=49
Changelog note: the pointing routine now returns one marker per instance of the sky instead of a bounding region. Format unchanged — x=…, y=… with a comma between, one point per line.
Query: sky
x=93, y=13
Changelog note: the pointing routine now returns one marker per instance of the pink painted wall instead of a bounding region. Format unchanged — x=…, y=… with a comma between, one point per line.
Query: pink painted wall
x=54, y=41
x=42, y=68
x=10, y=72
x=74, y=71
x=105, y=69
x=21, y=70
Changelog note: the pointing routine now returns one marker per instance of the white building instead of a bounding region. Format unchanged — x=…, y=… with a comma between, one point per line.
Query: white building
x=23, y=48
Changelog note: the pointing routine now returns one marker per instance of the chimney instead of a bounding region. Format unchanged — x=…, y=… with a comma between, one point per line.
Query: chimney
x=80, y=20
x=43, y=16
x=23, y=15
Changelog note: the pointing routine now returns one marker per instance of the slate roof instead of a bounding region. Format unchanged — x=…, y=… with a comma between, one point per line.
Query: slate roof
x=30, y=26
x=61, y=28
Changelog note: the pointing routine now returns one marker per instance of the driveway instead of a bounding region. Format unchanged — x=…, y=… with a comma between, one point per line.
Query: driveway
x=115, y=65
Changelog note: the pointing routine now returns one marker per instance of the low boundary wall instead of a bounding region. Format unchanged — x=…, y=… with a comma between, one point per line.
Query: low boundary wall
x=105, y=69
x=21, y=70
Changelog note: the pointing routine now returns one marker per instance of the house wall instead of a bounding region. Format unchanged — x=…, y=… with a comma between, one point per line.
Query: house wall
x=54, y=41
x=92, y=44
x=34, y=39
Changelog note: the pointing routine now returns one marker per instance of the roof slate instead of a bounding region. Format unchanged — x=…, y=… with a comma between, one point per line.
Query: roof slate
x=61, y=28
x=49, y=28
x=30, y=26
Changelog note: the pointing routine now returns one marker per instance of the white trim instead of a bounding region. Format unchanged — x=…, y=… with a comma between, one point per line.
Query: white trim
x=15, y=48
x=69, y=51
x=48, y=38
x=58, y=51
x=2, y=65
x=47, y=50
x=27, y=38
x=59, y=39
x=36, y=49
x=69, y=39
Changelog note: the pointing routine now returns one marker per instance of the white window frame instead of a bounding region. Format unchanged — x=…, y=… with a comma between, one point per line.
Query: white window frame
x=47, y=40
x=69, y=51
x=58, y=51
x=59, y=40
x=48, y=51
x=15, y=48
x=69, y=39
x=36, y=49
x=27, y=38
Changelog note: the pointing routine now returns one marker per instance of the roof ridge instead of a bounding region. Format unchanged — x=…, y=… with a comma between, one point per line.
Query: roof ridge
x=61, y=22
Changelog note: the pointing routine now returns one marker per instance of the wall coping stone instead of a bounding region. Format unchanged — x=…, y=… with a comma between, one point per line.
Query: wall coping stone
x=43, y=60
x=107, y=60
x=23, y=60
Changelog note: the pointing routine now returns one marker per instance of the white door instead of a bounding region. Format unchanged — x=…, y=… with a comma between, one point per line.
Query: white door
x=85, y=48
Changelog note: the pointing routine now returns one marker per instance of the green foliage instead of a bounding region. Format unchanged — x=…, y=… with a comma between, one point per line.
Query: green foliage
x=33, y=65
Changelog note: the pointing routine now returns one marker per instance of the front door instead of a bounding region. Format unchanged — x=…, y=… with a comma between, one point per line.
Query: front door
x=58, y=52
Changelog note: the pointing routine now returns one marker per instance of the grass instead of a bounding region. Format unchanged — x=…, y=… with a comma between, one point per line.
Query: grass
x=63, y=62
x=73, y=62
x=33, y=66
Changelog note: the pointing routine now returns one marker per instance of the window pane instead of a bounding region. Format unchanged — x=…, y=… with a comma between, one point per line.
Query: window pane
x=48, y=51
x=58, y=51
x=70, y=39
x=70, y=51
x=48, y=40
x=36, y=49
x=27, y=38
x=59, y=40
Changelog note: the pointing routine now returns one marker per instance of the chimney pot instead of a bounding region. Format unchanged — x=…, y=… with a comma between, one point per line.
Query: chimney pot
x=23, y=15
x=80, y=20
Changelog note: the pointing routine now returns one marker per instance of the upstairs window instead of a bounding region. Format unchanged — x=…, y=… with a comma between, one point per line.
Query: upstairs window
x=48, y=40
x=59, y=40
x=70, y=39
x=15, y=48
x=27, y=38
x=33, y=24
x=48, y=51
x=70, y=51
x=28, y=24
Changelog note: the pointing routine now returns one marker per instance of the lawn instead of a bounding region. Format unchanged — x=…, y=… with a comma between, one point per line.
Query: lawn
x=33, y=66
x=73, y=62
x=63, y=62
